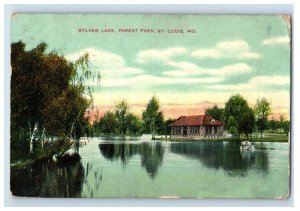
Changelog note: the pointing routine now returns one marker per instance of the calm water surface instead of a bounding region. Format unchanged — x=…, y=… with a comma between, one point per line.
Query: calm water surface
x=137, y=167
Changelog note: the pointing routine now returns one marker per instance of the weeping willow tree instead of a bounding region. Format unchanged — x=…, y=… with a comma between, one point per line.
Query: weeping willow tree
x=50, y=95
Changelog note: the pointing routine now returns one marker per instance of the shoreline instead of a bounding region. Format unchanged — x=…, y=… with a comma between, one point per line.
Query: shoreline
x=281, y=139
x=25, y=163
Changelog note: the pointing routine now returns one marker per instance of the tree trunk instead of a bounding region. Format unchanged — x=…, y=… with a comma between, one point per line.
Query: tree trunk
x=43, y=137
x=32, y=135
x=72, y=127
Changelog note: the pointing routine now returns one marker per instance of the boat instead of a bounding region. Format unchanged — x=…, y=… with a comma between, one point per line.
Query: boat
x=247, y=146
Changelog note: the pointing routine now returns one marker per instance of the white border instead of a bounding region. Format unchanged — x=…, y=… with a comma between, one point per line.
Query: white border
x=259, y=8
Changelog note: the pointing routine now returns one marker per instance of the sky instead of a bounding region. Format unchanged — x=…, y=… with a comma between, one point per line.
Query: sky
x=214, y=58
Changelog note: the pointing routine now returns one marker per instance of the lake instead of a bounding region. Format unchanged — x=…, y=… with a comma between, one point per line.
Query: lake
x=131, y=167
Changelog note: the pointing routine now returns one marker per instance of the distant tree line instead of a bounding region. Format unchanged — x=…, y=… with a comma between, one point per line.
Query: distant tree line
x=239, y=118
x=122, y=121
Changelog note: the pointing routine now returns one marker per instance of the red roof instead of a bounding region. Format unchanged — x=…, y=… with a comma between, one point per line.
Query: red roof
x=196, y=120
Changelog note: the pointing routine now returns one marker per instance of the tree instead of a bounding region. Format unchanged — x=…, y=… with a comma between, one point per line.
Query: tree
x=262, y=111
x=48, y=93
x=238, y=115
x=286, y=127
x=232, y=126
x=281, y=120
x=261, y=124
x=108, y=123
x=272, y=124
x=279, y=126
x=120, y=113
x=133, y=123
x=152, y=117
x=216, y=112
x=65, y=113
x=168, y=128
x=160, y=126
x=247, y=121
x=27, y=85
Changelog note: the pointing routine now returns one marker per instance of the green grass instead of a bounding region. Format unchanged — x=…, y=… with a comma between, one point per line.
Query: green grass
x=279, y=138
x=120, y=135
x=56, y=148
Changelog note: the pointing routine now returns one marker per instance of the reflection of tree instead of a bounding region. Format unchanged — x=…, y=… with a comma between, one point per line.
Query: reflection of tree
x=151, y=157
x=234, y=163
x=117, y=151
x=262, y=162
x=209, y=153
x=50, y=179
x=227, y=156
x=151, y=154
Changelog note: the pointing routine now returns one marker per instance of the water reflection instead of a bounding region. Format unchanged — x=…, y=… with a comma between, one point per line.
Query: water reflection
x=63, y=178
x=80, y=173
x=224, y=155
x=120, y=138
x=151, y=154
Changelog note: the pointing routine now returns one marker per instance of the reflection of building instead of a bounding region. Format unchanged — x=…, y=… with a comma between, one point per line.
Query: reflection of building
x=196, y=126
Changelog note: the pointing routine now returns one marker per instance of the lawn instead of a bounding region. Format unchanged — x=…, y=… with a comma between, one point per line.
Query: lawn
x=277, y=138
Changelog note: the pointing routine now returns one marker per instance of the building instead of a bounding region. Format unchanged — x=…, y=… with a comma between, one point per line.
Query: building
x=198, y=126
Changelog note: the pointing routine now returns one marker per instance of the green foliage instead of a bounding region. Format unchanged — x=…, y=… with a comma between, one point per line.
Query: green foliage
x=238, y=115
x=278, y=126
x=108, y=123
x=247, y=121
x=121, y=110
x=273, y=124
x=28, y=83
x=286, y=126
x=216, y=112
x=168, y=128
x=262, y=124
x=160, y=127
x=262, y=111
x=232, y=126
x=262, y=108
x=133, y=123
x=49, y=97
x=153, y=118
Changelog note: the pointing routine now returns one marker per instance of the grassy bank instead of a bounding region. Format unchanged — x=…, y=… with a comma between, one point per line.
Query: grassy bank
x=279, y=138
x=58, y=148
x=119, y=135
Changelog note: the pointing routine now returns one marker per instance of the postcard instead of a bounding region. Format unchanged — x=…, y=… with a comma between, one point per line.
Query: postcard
x=150, y=106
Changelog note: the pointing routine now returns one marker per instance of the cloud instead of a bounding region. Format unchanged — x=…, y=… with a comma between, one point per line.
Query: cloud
x=101, y=59
x=192, y=69
x=237, y=49
x=154, y=55
x=270, y=80
x=255, y=83
x=234, y=69
x=109, y=64
x=276, y=41
x=150, y=80
x=185, y=68
x=120, y=72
